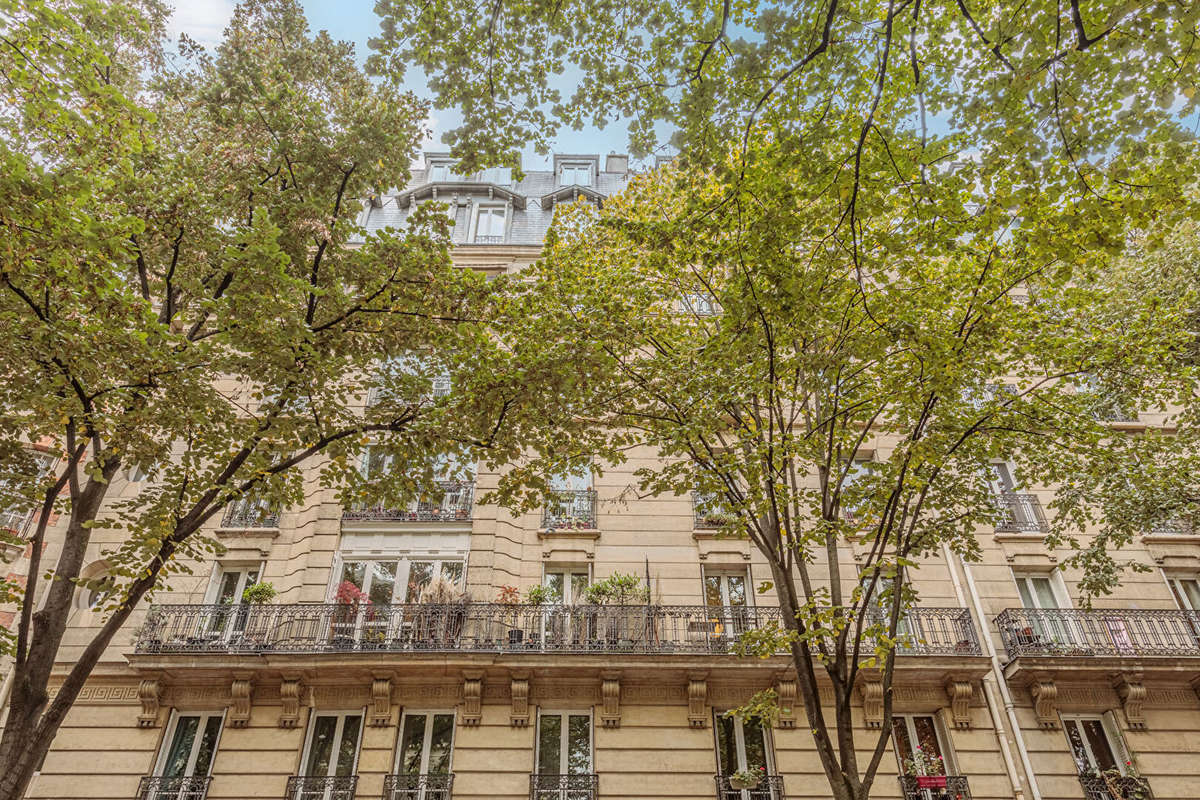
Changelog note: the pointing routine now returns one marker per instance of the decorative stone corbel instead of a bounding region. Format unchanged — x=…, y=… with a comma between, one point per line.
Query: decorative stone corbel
x=519, y=717
x=1195, y=684
x=241, y=690
x=472, y=707
x=1133, y=695
x=785, y=692
x=289, y=700
x=959, y=692
x=149, y=692
x=698, y=699
x=381, y=701
x=871, y=693
x=610, y=699
x=1045, y=701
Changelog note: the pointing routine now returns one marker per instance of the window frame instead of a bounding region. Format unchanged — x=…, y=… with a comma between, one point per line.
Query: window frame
x=564, y=739
x=164, y=745
x=1112, y=736
x=490, y=208
x=575, y=167
x=303, y=768
x=739, y=733
x=567, y=573
x=426, y=739
x=1058, y=588
x=941, y=736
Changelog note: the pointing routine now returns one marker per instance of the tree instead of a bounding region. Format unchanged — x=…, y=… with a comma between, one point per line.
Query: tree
x=185, y=289
x=719, y=323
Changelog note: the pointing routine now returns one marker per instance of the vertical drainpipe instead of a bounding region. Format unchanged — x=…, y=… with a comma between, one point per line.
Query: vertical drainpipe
x=992, y=681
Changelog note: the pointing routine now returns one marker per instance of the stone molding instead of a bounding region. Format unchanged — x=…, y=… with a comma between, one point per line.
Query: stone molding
x=785, y=692
x=241, y=690
x=698, y=699
x=1045, y=701
x=290, y=692
x=870, y=691
x=381, y=701
x=1133, y=695
x=149, y=692
x=519, y=691
x=610, y=699
x=472, y=705
x=959, y=693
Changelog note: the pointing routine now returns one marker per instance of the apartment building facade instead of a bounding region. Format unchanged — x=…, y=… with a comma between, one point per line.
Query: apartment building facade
x=406, y=658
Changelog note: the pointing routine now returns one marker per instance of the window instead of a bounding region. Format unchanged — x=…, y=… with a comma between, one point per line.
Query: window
x=577, y=480
x=423, y=757
x=1042, y=591
x=1017, y=511
x=571, y=503
x=489, y=224
x=918, y=745
x=567, y=586
x=398, y=580
x=497, y=175
x=137, y=473
x=578, y=174
x=441, y=171
x=96, y=591
x=1042, y=595
x=564, y=747
x=1186, y=592
x=701, y=304
x=186, y=757
x=743, y=745
x=989, y=393
x=1095, y=743
x=854, y=508
x=727, y=597
x=331, y=751
x=15, y=519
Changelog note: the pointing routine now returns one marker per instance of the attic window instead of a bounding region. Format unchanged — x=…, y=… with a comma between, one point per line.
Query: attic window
x=578, y=174
x=439, y=171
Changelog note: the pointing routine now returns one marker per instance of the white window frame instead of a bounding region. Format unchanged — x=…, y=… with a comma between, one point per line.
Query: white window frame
x=428, y=737
x=434, y=166
x=575, y=167
x=723, y=574
x=564, y=738
x=221, y=568
x=341, y=714
x=1181, y=598
x=996, y=482
x=404, y=563
x=739, y=734
x=1057, y=586
x=941, y=733
x=164, y=746
x=1112, y=733
x=568, y=593
x=478, y=211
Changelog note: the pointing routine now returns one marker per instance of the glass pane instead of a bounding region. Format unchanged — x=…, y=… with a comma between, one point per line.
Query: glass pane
x=228, y=591
x=181, y=747
x=1045, y=593
x=756, y=744
x=440, y=743
x=208, y=745
x=1190, y=589
x=412, y=741
x=579, y=745
x=452, y=571
x=320, y=750
x=712, y=590
x=383, y=581
x=928, y=742
x=377, y=463
x=1026, y=597
x=579, y=584
x=355, y=572
x=727, y=757
x=1075, y=738
x=420, y=573
x=1098, y=741
x=900, y=741
x=348, y=747
x=580, y=478
x=549, y=743
x=554, y=582
x=251, y=577
x=737, y=590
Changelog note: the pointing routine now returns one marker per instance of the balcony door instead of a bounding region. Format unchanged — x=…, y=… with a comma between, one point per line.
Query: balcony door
x=330, y=757
x=1100, y=757
x=564, y=756
x=564, y=625
x=743, y=746
x=185, y=761
x=1187, y=596
x=1046, y=593
x=727, y=597
x=423, y=757
x=922, y=752
x=231, y=583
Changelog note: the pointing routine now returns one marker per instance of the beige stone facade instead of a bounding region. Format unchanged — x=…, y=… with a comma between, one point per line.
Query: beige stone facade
x=626, y=702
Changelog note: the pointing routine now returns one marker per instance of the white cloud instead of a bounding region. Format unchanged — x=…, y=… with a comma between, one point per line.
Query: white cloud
x=202, y=20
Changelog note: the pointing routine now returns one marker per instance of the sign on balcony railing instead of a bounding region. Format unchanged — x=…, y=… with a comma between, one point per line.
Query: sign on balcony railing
x=1019, y=512
x=449, y=501
x=497, y=627
x=1114, y=632
x=570, y=509
x=934, y=787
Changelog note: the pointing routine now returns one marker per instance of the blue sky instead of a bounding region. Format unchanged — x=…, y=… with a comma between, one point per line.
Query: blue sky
x=355, y=21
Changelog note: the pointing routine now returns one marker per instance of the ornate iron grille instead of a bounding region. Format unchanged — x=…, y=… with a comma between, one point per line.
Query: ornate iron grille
x=1019, y=512
x=1099, y=632
x=570, y=509
x=769, y=788
x=158, y=788
x=250, y=512
x=319, y=787
x=450, y=501
x=417, y=787
x=1170, y=527
x=563, y=787
x=1118, y=787
x=956, y=788
x=707, y=514
x=496, y=627
x=489, y=239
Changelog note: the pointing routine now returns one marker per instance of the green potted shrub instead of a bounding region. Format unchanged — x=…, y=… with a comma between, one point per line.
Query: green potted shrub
x=626, y=623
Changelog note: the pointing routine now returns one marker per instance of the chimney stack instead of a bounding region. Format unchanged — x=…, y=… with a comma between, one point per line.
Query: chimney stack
x=617, y=163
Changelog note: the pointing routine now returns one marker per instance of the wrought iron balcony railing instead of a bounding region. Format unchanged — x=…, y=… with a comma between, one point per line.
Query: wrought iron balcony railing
x=1099, y=632
x=570, y=509
x=769, y=788
x=159, y=788
x=564, y=787
x=451, y=501
x=1122, y=787
x=940, y=787
x=417, y=787
x=1173, y=527
x=706, y=514
x=1019, y=512
x=250, y=512
x=320, y=787
x=496, y=627
x=489, y=239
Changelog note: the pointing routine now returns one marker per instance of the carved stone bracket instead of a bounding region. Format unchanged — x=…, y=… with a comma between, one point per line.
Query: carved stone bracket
x=381, y=701
x=1133, y=694
x=241, y=690
x=1195, y=684
x=959, y=692
x=610, y=699
x=472, y=707
x=785, y=691
x=149, y=692
x=519, y=689
x=289, y=700
x=698, y=699
x=1045, y=701
x=871, y=693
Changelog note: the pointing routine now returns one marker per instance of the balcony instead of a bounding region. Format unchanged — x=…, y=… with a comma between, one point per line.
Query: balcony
x=1099, y=632
x=417, y=787
x=934, y=787
x=570, y=510
x=564, y=787
x=769, y=788
x=1173, y=527
x=1117, y=787
x=157, y=788
x=450, y=501
x=250, y=512
x=319, y=787
x=706, y=516
x=1019, y=513
x=489, y=239
x=499, y=628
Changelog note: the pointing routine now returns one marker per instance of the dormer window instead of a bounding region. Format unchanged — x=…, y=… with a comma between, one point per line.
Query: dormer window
x=576, y=174
x=440, y=171
x=501, y=176
x=489, y=224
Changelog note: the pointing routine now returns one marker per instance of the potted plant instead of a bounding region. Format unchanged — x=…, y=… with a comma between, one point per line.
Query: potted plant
x=345, y=617
x=510, y=598
x=257, y=594
x=747, y=778
x=923, y=763
x=443, y=609
x=627, y=623
x=254, y=627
